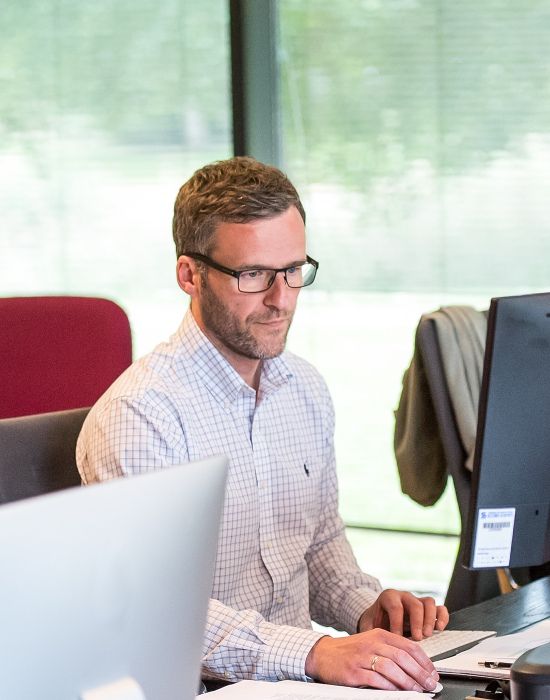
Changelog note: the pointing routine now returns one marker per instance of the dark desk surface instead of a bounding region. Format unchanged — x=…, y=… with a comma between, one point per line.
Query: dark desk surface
x=505, y=614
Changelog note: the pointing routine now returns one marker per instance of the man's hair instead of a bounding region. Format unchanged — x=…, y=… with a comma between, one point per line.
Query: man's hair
x=237, y=190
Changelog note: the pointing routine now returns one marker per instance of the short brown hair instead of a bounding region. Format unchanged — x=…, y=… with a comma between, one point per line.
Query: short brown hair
x=236, y=190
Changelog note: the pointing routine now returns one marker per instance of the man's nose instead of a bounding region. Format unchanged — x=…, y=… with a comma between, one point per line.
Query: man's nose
x=279, y=292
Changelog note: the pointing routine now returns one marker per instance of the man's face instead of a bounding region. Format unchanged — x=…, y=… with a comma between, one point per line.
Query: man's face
x=252, y=326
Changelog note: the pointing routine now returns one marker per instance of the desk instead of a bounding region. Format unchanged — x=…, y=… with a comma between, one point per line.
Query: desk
x=505, y=614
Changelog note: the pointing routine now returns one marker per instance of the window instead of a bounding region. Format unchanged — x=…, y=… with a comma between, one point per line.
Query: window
x=107, y=108
x=418, y=133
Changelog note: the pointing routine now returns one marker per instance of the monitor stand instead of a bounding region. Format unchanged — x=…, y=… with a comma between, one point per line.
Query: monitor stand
x=124, y=689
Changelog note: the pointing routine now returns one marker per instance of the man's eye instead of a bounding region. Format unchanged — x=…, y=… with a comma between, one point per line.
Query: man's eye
x=292, y=270
x=252, y=274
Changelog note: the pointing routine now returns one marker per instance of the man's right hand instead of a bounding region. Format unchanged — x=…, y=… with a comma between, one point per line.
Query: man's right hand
x=377, y=659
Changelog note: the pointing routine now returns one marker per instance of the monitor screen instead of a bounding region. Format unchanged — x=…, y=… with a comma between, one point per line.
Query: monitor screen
x=509, y=511
x=104, y=589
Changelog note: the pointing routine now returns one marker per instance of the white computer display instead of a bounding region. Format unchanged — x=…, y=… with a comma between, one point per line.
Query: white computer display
x=109, y=584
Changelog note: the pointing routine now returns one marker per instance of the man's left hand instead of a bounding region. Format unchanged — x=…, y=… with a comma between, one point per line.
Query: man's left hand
x=403, y=613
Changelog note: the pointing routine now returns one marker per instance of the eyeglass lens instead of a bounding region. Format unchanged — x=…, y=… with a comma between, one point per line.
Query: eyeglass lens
x=260, y=280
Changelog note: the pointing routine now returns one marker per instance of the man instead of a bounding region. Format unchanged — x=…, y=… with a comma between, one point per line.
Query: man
x=222, y=384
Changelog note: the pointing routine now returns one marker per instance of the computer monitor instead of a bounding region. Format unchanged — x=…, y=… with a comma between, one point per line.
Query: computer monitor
x=104, y=589
x=509, y=515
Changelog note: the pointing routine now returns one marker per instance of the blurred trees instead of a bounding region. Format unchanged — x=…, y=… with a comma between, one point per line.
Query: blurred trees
x=389, y=82
x=66, y=60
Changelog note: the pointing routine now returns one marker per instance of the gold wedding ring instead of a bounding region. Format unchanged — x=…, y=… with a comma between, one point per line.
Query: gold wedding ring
x=373, y=663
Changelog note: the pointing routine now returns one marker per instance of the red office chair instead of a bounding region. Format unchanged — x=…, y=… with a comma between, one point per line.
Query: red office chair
x=59, y=352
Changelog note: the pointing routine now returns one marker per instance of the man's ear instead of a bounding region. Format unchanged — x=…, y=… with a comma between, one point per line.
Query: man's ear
x=187, y=275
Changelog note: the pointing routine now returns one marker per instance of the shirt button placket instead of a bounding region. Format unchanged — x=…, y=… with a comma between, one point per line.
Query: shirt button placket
x=268, y=540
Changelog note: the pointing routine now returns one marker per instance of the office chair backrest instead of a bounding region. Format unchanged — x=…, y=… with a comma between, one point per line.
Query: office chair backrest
x=37, y=453
x=465, y=587
x=59, y=352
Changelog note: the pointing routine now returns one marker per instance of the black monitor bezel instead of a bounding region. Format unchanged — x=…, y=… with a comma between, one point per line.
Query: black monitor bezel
x=530, y=543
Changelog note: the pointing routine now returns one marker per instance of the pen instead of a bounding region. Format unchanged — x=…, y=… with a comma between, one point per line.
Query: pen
x=495, y=664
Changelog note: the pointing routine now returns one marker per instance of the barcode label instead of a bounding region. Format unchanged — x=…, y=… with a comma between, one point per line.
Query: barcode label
x=493, y=538
x=496, y=526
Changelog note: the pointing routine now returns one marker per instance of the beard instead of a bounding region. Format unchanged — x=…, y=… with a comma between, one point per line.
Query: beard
x=239, y=336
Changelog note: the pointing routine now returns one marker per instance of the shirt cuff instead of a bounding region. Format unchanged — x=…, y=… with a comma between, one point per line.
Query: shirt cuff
x=285, y=657
x=355, y=605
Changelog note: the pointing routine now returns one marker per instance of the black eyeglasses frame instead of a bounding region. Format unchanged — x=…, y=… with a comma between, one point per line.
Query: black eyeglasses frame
x=237, y=273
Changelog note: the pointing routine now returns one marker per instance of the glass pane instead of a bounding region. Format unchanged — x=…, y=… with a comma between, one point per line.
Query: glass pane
x=424, y=575
x=418, y=134
x=107, y=108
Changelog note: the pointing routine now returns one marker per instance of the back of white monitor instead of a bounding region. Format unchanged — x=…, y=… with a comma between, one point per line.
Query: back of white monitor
x=109, y=585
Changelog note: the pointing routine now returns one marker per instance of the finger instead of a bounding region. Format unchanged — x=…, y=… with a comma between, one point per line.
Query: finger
x=413, y=649
x=442, y=617
x=416, y=664
x=415, y=610
x=430, y=616
x=374, y=679
x=391, y=605
x=377, y=681
x=401, y=669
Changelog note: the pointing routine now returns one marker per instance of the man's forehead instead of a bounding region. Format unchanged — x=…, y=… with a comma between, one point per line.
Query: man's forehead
x=266, y=241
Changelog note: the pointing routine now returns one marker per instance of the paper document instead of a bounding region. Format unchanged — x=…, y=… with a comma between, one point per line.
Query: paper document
x=297, y=690
x=492, y=658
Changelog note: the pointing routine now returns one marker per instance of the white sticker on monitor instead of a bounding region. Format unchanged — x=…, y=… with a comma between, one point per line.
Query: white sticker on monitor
x=493, y=542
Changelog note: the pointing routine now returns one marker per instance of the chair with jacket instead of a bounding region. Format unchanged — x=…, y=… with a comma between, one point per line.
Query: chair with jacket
x=59, y=352
x=38, y=453
x=436, y=427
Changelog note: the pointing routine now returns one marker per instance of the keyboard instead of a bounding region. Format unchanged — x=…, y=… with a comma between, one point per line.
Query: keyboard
x=450, y=642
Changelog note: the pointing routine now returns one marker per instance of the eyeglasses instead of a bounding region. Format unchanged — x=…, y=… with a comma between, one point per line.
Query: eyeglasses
x=260, y=279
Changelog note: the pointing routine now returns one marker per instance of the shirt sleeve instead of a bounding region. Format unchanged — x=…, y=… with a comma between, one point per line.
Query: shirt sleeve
x=243, y=645
x=339, y=591
x=123, y=437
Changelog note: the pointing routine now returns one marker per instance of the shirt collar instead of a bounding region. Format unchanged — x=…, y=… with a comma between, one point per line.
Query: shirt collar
x=216, y=373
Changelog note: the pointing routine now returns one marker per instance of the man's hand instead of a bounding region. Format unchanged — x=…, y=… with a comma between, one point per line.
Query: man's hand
x=401, y=612
x=377, y=659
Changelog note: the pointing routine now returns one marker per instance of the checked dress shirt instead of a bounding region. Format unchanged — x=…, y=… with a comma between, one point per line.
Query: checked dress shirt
x=283, y=558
